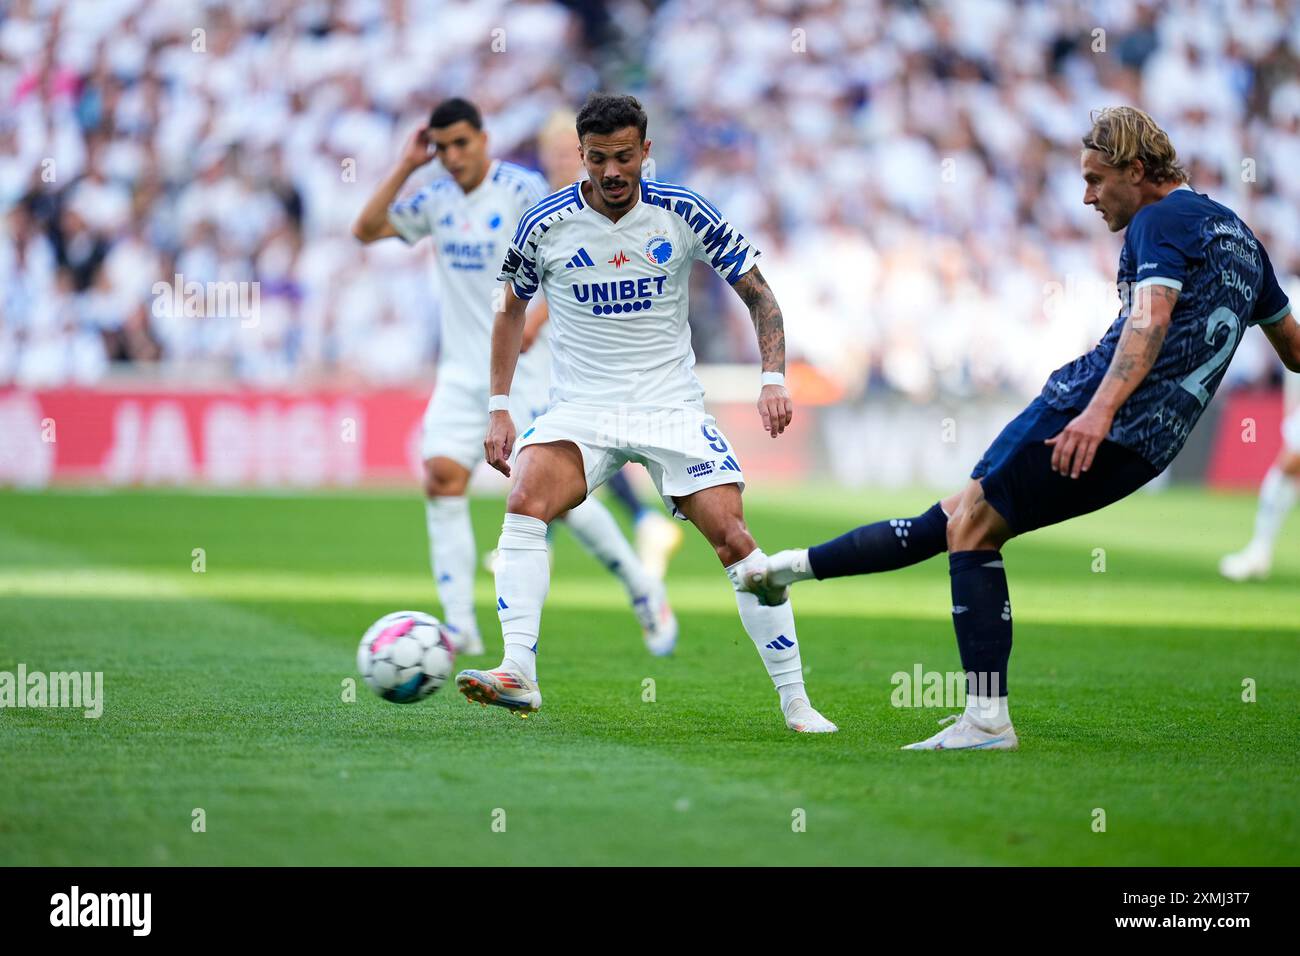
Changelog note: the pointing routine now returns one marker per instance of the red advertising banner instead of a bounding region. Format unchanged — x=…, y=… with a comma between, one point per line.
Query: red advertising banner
x=223, y=438
x=242, y=438
x=245, y=438
x=1247, y=440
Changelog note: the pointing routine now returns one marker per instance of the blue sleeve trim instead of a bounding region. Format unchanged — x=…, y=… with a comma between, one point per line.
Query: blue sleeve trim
x=1175, y=284
x=1276, y=317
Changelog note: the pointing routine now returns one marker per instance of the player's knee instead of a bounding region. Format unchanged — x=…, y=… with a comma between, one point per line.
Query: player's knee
x=952, y=531
x=976, y=528
x=444, y=478
x=735, y=543
x=531, y=503
x=951, y=504
x=439, y=486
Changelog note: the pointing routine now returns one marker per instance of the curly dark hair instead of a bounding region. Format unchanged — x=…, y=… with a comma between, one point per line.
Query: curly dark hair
x=603, y=113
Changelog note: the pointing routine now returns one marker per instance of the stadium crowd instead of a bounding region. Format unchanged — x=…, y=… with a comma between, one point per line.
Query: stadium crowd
x=910, y=170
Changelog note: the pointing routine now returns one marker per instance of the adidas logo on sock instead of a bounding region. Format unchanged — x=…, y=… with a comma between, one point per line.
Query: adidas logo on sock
x=580, y=260
x=780, y=644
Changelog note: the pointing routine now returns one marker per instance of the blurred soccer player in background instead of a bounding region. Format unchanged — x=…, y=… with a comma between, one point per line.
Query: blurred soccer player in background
x=470, y=213
x=1192, y=278
x=1277, y=495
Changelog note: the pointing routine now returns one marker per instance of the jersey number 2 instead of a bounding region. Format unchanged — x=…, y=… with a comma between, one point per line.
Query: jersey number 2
x=1220, y=318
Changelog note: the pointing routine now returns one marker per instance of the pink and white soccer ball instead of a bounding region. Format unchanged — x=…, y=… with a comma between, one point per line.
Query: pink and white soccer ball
x=406, y=656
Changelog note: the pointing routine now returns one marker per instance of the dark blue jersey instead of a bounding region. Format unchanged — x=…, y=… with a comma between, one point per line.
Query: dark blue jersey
x=1225, y=283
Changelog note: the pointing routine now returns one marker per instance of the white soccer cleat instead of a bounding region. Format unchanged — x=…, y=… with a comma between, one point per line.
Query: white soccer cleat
x=501, y=688
x=786, y=567
x=658, y=623
x=1247, y=564
x=753, y=578
x=465, y=640
x=803, y=719
x=756, y=583
x=964, y=734
x=657, y=539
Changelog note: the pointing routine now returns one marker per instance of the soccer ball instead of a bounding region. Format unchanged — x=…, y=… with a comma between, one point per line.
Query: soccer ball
x=406, y=656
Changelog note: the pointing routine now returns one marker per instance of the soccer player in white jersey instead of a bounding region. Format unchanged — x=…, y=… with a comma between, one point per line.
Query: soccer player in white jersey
x=657, y=537
x=613, y=255
x=470, y=214
x=1277, y=496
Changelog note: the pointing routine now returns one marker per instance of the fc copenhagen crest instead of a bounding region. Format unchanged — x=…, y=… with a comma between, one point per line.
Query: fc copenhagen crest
x=658, y=250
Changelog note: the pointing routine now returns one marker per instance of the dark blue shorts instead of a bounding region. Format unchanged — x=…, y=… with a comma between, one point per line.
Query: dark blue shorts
x=1018, y=481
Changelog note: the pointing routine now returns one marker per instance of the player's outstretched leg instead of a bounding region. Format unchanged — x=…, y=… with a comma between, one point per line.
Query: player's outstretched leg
x=981, y=616
x=1277, y=495
x=869, y=549
x=657, y=537
x=451, y=549
x=549, y=480
x=598, y=532
x=718, y=513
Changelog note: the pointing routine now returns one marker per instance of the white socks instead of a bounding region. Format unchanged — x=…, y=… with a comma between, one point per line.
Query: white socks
x=598, y=532
x=452, y=556
x=772, y=631
x=523, y=577
x=1277, y=495
x=988, y=712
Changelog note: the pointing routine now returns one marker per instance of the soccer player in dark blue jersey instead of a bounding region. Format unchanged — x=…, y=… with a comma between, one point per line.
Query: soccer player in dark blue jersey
x=1192, y=278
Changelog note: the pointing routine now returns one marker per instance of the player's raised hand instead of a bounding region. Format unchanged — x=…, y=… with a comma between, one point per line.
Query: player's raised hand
x=1075, y=447
x=416, y=152
x=500, y=442
x=775, y=409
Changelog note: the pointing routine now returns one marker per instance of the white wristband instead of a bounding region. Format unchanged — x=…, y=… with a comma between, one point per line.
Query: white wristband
x=499, y=403
x=773, y=378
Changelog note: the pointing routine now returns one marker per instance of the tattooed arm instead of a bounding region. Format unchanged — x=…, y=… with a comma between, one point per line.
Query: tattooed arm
x=774, y=406
x=1135, y=354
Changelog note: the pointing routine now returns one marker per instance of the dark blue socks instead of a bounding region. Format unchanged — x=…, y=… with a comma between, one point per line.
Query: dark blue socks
x=981, y=616
x=883, y=546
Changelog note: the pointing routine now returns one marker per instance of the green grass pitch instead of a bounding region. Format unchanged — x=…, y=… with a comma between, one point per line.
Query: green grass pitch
x=223, y=692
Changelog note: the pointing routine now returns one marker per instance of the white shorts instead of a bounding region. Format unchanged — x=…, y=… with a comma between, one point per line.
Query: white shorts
x=680, y=446
x=1291, y=431
x=456, y=418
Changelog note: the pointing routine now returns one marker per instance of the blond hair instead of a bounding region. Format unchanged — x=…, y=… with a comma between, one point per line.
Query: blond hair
x=1123, y=134
x=559, y=123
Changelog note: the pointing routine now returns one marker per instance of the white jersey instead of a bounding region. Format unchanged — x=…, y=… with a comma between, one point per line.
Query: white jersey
x=471, y=232
x=617, y=292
